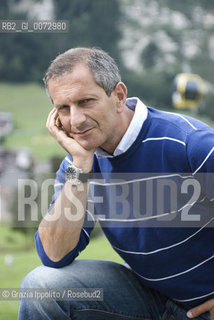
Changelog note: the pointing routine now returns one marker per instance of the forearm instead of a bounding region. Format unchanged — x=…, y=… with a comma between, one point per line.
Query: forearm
x=60, y=229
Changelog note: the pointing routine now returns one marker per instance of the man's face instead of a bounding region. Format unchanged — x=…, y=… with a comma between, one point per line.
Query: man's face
x=87, y=114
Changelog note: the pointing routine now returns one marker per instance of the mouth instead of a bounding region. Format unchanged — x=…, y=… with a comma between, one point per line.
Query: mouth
x=82, y=133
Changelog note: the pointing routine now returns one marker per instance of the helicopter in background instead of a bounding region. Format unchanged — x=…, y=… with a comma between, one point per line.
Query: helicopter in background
x=188, y=91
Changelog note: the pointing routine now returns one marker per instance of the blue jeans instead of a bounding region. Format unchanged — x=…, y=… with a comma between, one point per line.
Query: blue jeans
x=125, y=298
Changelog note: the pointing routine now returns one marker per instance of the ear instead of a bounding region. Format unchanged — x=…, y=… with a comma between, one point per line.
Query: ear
x=120, y=93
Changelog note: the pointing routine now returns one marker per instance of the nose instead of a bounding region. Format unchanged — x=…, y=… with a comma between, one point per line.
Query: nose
x=77, y=117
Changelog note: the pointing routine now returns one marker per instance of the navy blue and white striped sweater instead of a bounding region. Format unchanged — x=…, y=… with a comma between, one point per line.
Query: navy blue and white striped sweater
x=178, y=261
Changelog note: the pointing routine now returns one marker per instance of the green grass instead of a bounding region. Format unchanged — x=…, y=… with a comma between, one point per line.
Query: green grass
x=10, y=277
x=30, y=107
x=24, y=262
x=11, y=239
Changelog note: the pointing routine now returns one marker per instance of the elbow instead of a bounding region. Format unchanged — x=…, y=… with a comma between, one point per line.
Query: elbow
x=53, y=261
x=51, y=245
x=56, y=242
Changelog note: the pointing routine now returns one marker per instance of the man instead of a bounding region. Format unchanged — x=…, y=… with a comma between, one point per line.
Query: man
x=169, y=267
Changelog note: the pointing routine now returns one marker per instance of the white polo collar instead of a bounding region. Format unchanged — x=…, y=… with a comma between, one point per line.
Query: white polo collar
x=140, y=115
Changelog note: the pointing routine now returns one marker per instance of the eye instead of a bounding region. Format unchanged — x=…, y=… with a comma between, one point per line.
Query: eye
x=63, y=108
x=85, y=101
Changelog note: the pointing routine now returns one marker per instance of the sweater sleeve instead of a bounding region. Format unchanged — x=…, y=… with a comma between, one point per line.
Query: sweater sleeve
x=85, y=232
x=200, y=152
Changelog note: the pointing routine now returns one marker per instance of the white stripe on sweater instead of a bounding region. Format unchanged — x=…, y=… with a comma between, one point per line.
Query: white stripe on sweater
x=181, y=116
x=164, y=248
x=104, y=184
x=150, y=217
x=91, y=215
x=164, y=138
x=86, y=232
x=203, y=162
x=196, y=298
x=68, y=160
x=58, y=185
x=177, y=274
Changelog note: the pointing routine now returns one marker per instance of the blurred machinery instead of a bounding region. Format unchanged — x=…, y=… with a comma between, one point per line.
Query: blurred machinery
x=14, y=164
x=6, y=125
x=188, y=90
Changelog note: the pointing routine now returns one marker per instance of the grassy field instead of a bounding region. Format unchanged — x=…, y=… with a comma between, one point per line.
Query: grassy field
x=30, y=107
x=24, y=262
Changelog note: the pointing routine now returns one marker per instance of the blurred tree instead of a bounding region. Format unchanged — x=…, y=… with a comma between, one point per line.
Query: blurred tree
x=152, y=87
x=25, y=56
x=150, y=55
x=4, y=8
x=92, y=23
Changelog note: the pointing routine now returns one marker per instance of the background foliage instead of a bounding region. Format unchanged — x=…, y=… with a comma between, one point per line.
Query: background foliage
x=152, y=41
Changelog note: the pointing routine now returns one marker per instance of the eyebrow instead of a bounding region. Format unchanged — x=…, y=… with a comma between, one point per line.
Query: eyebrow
x=58, y=106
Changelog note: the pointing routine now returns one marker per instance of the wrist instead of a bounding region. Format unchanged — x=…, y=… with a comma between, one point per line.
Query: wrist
x=84, y=168
x=84, y=165
x=76, y=176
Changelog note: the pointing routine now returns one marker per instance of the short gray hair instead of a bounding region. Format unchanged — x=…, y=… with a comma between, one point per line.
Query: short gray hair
x=103, y=67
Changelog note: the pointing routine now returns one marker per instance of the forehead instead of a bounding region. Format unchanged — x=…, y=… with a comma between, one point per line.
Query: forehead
x=78, y=82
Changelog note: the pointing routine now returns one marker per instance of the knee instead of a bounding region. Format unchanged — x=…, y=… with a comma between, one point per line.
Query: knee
x=37, y=278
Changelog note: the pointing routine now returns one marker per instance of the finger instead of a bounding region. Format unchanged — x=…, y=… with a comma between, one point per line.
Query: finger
x=202, y=308
x=55, y=128
x=51, y=115
x=52, y=112
x=59, y=123
x=212, y=309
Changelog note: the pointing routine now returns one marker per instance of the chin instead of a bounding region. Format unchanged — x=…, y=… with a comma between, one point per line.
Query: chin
x=88, y=145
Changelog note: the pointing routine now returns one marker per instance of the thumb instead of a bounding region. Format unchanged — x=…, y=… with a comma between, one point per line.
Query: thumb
x=202, y=308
